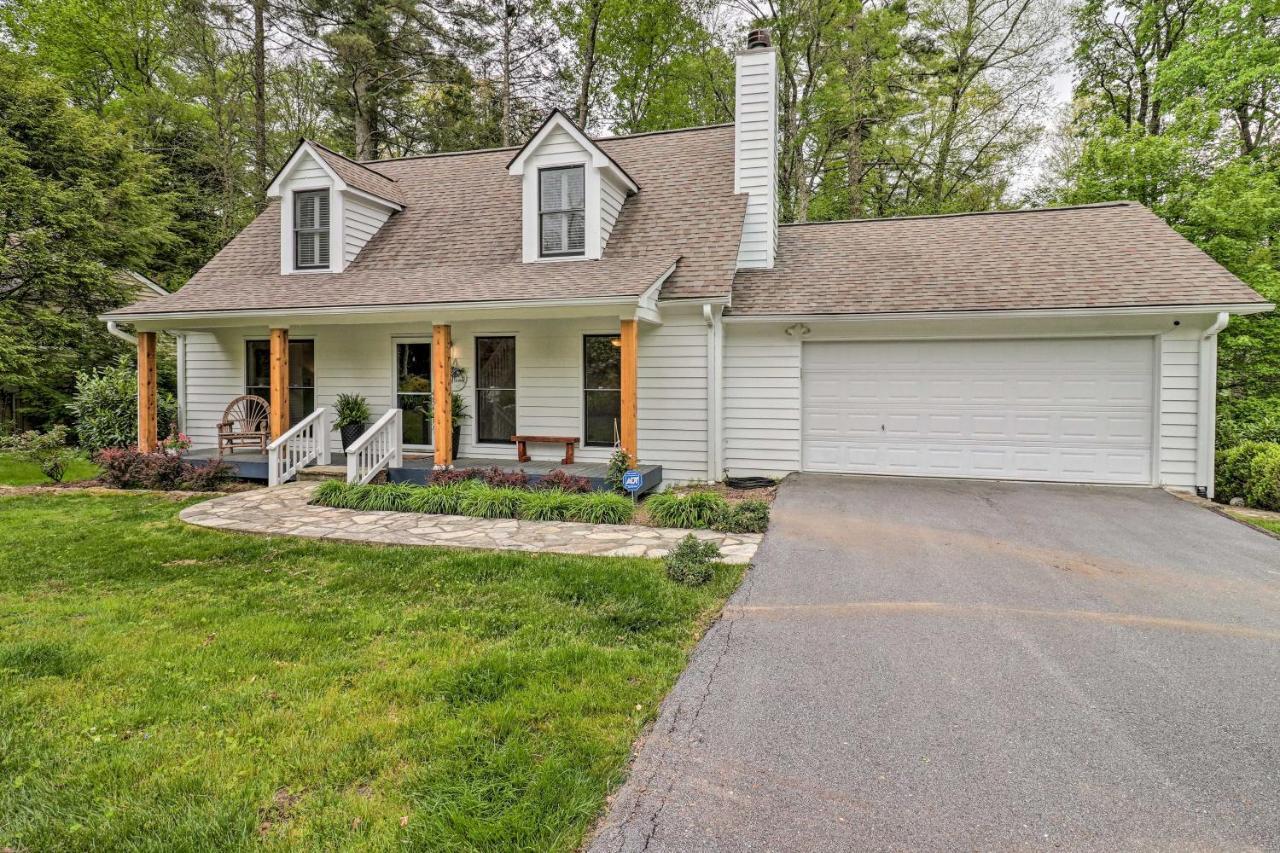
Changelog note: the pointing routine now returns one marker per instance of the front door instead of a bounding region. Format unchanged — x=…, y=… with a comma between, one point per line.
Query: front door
x=413, y=391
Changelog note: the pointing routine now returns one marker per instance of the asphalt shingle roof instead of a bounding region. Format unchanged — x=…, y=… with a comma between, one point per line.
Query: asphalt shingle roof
x=360, y=176
x=1117, y=254
x=458, y=238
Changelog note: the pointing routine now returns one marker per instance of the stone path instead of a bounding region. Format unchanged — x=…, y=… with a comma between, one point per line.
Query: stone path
x=284, y=511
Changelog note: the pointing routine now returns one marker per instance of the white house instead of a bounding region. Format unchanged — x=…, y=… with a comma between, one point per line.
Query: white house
x=640, y=289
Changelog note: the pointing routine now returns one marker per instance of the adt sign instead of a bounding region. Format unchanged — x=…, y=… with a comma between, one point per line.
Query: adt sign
x=632, y=481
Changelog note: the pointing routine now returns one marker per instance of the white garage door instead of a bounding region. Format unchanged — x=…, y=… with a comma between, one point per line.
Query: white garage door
x=1076, y=410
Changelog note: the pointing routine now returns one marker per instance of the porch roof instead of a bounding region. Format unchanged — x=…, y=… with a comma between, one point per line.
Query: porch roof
x=457, y=284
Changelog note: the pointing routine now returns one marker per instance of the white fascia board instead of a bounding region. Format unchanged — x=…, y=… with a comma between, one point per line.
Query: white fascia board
x=274, y=190
x=146, y=282
x=362, y=310
x=1128, y=311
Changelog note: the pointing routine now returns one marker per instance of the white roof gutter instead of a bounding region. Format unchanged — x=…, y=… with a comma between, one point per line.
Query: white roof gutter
x=114, y=328
x=1123, y=311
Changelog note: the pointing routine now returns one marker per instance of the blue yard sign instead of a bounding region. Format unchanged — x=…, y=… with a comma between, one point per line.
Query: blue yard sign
x=632, y=481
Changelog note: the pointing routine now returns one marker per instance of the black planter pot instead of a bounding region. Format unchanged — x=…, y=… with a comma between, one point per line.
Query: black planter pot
x=457, y=437
x=350, y=433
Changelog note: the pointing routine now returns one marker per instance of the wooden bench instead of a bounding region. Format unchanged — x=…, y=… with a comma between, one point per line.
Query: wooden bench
x=523, y=441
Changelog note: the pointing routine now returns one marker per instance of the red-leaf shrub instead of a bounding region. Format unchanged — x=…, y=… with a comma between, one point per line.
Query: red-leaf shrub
x=454, y=475
x=500, y=479
x=129, y=468
x=558, y=479
x=209, y=477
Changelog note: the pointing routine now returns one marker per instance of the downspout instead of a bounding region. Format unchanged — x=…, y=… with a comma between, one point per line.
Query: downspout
x=114, y=328
x=1208, y=408
x=180, y=339
x=715, y=444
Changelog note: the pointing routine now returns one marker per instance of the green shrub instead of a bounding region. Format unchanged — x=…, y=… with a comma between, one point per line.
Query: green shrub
x=48, y=450
x=1264, y=479
x=548, y=505
x=690, y=562
x=106, y=407
x=602, y=508
x=749, y=516
x=488, y=502
x=619, y=464
x=1253, y=419
x=1232, y=469
x=696, y=510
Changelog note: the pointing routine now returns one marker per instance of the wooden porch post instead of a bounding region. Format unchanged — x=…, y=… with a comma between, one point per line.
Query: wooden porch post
x=442, y=395
x=279, y=382
x=627, y=428
x=147, y=432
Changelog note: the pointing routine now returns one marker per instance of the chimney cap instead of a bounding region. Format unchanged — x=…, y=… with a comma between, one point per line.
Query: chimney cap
x=759, y=38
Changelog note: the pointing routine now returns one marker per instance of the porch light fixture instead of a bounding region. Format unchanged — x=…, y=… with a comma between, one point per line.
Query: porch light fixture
x=616, y=342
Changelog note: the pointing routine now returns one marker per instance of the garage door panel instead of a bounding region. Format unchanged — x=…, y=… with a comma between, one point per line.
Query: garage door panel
x=1070, y=409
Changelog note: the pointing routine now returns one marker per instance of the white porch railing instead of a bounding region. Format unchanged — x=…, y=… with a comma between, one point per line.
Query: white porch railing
x=378, y=448
x=300, y=446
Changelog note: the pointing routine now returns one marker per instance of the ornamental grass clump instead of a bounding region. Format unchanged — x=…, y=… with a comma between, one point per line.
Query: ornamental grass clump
x=488, y=502
x=698, y=510
x=691, y=562
x=548, y=505
x=602, y=508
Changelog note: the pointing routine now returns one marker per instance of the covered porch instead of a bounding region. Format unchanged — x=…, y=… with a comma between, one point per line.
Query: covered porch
x=439, y=394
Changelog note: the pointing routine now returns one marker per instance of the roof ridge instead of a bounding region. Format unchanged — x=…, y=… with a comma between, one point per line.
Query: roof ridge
x=1058, y=209
x=370, y=163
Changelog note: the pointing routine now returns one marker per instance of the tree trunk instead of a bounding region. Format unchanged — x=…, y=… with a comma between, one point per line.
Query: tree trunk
x=363, y=120
x=508, y=23
x=260, y=95
x=595, y=9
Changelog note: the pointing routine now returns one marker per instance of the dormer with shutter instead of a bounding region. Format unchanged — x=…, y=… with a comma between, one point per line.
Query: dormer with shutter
x=330, y=207
x=572, y=193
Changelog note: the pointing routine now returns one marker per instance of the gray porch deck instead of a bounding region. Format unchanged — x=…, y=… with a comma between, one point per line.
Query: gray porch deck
x=252, y=465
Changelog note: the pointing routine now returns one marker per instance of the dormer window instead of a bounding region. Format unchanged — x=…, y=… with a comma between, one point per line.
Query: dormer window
x=562, y=192
x=311, y=230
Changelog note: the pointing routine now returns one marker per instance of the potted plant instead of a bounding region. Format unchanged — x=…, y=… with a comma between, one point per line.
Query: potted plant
x=353, y=417
x=459, y=418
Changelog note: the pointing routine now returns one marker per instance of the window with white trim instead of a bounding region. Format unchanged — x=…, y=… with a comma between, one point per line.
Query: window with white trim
x=562, y=211
x=311, y=230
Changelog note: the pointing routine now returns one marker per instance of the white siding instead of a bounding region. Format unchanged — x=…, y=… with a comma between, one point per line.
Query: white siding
x=1179, y=407
x=307, y=172
x=756, y=154
x=360, y=220
x=360, y=359
x=761, y=401
x=214, y=376
x=611, y=200
x=672, y=395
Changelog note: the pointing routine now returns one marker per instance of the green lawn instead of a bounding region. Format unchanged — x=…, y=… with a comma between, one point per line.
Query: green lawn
x=170, y=688
x=1265, y=524
x=14, y=472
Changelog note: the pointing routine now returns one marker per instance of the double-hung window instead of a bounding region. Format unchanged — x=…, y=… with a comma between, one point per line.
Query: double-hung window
x=562, y=209
x=311, y=230
x=601, y=388
x=495, y=389
x=302, y=375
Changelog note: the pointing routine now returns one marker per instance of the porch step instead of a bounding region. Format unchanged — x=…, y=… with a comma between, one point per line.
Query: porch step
x=323, y=472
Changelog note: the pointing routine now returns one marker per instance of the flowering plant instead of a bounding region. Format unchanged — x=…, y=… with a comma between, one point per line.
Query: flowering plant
x=176, y=442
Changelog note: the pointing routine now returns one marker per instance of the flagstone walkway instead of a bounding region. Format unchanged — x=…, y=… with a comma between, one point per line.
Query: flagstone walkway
x=284, y=511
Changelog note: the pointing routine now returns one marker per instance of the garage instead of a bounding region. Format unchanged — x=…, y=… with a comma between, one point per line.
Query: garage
x=1054, y=409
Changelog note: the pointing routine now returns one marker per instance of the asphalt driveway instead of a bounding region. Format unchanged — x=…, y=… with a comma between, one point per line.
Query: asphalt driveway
x=934, y=664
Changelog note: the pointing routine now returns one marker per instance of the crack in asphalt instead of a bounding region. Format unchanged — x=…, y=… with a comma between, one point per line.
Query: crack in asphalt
x=730, y=617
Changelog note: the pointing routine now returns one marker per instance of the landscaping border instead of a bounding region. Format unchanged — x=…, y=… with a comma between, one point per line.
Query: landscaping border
x=284, y=511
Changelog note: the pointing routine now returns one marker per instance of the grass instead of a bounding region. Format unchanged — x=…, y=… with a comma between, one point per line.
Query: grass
x=15, y=472
x=475, y=498
x=1262, y=523
x=164, y=687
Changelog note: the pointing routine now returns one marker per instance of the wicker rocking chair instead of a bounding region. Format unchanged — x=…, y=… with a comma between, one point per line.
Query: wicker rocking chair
x=245, y=424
